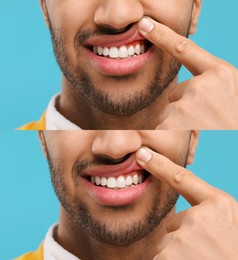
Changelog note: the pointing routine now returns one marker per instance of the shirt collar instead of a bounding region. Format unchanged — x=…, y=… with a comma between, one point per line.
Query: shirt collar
x=54, y=120
x=54, y=251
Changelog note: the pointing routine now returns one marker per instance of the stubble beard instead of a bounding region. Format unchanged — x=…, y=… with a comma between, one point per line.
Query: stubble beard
x=125, y=233
x=129, y=103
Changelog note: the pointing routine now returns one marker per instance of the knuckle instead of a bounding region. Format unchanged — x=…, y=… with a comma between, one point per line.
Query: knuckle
x=225, y=72
x=193, y=217
x=181, y=175
x=223, y=202
x=183, y=45
x=194, y=83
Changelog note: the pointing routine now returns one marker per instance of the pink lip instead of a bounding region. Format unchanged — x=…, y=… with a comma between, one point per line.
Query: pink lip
x=120, y=197
x=116, y=40
x=116, y=170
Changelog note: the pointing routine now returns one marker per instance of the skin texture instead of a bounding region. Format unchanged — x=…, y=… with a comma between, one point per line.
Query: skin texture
x=67, y=149
x=94, y=100
x=209, y=100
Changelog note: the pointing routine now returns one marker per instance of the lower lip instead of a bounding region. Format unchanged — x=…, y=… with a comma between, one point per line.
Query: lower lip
x=120, y=197
x=119, y=67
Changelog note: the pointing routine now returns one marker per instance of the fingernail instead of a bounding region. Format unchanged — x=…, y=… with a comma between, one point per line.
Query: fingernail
x=146, y=25
x=143, y=155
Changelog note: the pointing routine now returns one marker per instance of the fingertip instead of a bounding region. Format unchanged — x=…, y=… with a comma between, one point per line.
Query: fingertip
x=145, y=25
x=143, y=155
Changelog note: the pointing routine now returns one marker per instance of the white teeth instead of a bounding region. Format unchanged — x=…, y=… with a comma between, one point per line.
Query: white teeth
x=114, y=52
x=100, y=50
x=135, y=179
x=142, y=49
x=111, y=182
x=137, y=49
x=119, y=182
x=104, y=181
x=122, y=52
x=128, y=180
x=105, y=51
x=131, y=51
x=98, y=180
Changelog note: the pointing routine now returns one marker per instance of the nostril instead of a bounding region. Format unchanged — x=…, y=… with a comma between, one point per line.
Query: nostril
x=110, y=30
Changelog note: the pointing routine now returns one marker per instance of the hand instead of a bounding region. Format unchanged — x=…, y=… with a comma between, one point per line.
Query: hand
x=207, y=101
x=209, y=229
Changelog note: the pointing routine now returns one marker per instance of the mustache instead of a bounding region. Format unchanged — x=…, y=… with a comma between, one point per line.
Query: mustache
x=82, y=36
x=80, y=166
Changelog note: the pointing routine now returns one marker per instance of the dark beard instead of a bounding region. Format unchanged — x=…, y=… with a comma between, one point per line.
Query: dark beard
x=126, y=105
x=127, y=233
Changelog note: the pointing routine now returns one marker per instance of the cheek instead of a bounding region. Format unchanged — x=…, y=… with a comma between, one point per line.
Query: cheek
x=172, y=144
x=71, y=16
x=175, y=14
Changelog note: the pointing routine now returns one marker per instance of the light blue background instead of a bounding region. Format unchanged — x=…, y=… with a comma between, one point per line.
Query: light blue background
x=29, y=75
x=28, y=203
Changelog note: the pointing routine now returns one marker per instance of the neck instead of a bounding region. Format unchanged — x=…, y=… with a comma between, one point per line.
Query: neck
x=73, y=107
x=75, y=240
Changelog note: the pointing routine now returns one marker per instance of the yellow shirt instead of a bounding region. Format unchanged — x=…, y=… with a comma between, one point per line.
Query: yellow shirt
x=37, y=255
x=38, y=125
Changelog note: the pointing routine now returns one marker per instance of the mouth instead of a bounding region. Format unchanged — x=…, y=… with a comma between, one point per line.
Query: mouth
x=130, y=50
x=120, y=182
x=118, y=55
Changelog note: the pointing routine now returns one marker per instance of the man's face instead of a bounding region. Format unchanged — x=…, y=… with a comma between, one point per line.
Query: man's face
x=84, y=33
x=126, y=202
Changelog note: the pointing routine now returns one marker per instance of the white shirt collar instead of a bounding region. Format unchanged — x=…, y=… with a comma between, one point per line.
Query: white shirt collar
x=54, y=120
x=54, y=251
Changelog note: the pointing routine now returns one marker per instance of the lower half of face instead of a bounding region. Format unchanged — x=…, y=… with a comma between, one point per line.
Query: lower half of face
x=118, y=86
x=115, y=216
x=121, y=210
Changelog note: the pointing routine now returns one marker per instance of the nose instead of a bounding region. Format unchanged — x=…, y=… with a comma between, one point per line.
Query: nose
x=116, y=143
x=118, y=13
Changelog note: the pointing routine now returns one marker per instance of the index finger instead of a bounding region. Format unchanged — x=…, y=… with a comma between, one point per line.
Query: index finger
x=192, y=188
x=194, y=58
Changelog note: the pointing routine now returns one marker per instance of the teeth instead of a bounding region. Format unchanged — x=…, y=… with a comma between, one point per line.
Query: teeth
x=93, y=179
x=114, y=52
x=98, y=180
x=111, y=182
x=131, y=51
x=142, y=49
x=122, y=52
x=119, y=182
x=135, y=179
x=128, y=180
x=104, y=181
x=137, y=49
x=100, y=50
x=105, y=51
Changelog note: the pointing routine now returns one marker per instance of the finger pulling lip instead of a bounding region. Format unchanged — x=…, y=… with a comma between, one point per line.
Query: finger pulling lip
x=128, y=166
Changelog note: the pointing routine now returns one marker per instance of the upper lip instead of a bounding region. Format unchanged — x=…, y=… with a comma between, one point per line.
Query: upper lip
x=130, y=36
x=115, y=170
